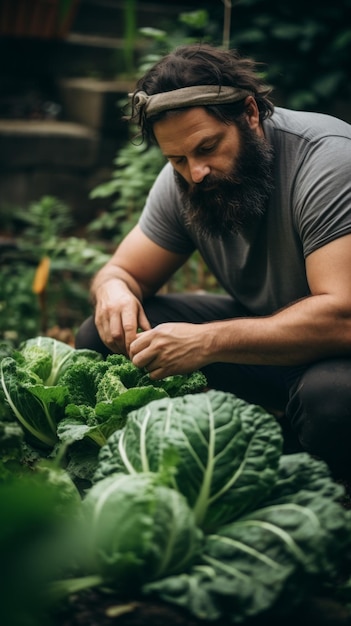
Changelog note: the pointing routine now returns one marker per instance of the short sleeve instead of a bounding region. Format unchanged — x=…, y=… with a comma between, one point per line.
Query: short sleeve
x=322, y=193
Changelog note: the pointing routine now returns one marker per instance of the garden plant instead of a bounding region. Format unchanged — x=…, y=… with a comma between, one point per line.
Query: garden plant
x=155, y=492
x=126, y=501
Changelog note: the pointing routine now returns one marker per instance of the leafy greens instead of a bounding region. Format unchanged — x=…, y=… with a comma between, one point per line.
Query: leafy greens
x=273, y=527
x=224, y=452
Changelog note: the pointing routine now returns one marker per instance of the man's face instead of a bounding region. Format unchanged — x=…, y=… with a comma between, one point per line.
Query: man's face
x=223, y=170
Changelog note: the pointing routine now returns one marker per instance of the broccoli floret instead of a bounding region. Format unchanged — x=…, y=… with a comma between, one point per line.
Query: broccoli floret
x=110, y=385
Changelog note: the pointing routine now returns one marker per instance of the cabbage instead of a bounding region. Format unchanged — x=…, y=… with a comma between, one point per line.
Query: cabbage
x=30, y=381
x=222, y=452
x=137, y=531
x=196, y=505
x=272, y=557
x=58, y=357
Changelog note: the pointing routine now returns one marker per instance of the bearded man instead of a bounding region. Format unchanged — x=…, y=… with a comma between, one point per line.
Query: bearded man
x=264, y=194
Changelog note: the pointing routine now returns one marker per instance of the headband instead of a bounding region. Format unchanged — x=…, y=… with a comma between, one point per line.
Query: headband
x=145, y=106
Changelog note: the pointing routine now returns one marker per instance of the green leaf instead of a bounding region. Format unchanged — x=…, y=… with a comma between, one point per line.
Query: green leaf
x=272, y=557
x=137, y=530
x=228, y=451
x=36, y=406
x=100, y=422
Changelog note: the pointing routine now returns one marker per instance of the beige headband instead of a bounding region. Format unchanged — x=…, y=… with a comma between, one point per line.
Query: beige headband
x=145, y=106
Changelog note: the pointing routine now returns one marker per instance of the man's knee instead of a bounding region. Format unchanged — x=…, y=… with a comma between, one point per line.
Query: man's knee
x=320, y=412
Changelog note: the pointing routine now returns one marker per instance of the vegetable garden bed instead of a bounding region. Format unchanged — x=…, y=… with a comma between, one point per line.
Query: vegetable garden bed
x=129, y=502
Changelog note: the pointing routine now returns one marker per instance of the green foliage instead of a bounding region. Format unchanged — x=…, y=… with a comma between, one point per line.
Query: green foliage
x=221, y=443
x=273, y=556
x=136, y=169
x=102, y=394
x=198, y=484
x=36, y=510
x=137, y=531
x=58, y=393
x=42, y=230
x=30, y=385
x=19, y=307
x=56, y=356
x=306, y=52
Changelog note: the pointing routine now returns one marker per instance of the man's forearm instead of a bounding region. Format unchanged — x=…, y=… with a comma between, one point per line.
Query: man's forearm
x=308, y=330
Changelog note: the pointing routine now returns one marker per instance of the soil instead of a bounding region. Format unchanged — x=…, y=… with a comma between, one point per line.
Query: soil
x=97, y=609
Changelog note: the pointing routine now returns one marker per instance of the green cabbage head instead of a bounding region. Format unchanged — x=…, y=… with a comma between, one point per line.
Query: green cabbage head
x=221, y=453
x=138, y=531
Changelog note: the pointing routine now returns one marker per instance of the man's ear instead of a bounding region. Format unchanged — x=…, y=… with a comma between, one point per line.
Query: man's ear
x=252, y=113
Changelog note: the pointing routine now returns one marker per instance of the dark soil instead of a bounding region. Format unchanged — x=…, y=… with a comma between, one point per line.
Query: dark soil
x=97, y=609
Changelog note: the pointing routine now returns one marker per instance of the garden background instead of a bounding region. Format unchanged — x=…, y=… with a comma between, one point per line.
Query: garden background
x=72, y=183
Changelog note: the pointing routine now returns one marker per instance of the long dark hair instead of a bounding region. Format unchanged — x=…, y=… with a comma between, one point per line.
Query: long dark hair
x=203, y=64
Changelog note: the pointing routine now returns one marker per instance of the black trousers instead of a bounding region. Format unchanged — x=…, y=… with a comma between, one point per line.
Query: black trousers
x=312, y=403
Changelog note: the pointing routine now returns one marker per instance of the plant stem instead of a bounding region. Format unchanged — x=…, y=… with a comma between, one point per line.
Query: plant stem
x=226, y=23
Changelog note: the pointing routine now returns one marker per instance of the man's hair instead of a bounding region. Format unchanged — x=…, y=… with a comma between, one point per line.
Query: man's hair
x=203, y=64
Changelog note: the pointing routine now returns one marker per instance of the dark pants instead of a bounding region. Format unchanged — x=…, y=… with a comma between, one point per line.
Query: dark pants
x=312, y=403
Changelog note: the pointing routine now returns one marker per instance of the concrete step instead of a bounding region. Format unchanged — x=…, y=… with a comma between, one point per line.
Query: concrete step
x=31, y=143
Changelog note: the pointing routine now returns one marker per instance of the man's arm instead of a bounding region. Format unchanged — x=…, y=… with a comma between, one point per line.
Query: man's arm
x=315, y=327
x=137, y=269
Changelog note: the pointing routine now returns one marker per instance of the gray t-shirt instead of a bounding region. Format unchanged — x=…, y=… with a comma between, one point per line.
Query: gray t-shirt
x=264, y=268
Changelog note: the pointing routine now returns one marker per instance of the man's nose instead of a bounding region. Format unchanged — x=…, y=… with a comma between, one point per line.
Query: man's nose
x=198, y=171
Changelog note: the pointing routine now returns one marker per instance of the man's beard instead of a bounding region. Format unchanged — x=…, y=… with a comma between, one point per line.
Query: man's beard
x=220, y=206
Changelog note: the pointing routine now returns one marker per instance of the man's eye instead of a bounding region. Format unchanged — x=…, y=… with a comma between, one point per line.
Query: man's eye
x=207, y=149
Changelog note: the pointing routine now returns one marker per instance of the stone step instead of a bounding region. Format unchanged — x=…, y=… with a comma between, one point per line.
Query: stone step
x=31, y=143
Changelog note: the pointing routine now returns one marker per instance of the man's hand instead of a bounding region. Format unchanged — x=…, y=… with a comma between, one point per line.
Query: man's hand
x=171, y=348
x=118, y=316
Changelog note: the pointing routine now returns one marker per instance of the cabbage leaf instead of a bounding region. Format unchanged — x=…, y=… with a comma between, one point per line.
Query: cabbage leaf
x=271, y=557
x=137, y=531
x=222, y=453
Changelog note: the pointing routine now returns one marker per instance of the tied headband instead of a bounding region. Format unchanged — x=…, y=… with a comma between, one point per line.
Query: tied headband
x=145, y=106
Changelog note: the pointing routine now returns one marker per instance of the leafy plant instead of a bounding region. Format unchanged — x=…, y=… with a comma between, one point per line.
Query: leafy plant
x=305, y=52
x=101, y=394
x=37, y=508
x=274, y=555
x=59, y=393
x=45, y=270
x=30, y=384
x=136, y=169
x=150, y=526
x=220, y=442
x=198, y=484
